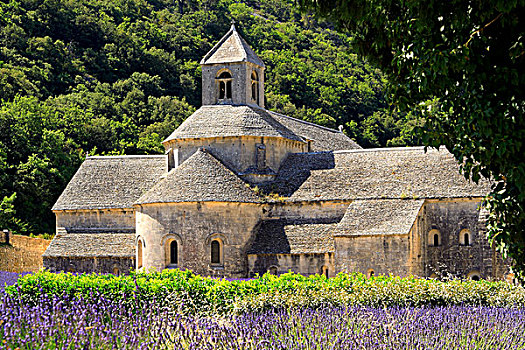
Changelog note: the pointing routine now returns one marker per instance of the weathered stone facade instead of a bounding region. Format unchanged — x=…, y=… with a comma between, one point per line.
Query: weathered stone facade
x=114, y=265
x=242, y=191
x=22, y=253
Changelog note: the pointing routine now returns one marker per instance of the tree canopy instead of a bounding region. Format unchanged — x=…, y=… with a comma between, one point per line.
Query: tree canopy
x=118, y=76
x=460, y=65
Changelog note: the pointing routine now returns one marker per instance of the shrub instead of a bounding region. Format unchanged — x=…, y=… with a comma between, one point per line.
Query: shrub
x=190, y=293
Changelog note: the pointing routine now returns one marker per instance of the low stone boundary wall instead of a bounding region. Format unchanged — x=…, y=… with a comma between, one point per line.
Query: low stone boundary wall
x=22, y=254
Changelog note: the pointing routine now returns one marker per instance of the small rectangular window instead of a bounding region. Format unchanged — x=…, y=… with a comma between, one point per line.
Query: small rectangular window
x=215, y=252
x=260, y=156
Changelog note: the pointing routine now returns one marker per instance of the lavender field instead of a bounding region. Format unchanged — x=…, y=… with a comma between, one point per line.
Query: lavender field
x=78, y=322
x=9, y=278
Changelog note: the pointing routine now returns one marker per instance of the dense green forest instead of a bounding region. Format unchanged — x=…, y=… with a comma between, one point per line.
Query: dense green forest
x=117, y=76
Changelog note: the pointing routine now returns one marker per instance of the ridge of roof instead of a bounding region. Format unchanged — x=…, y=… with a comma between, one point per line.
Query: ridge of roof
x=124, y=156
x=324, y=139
x=305, y=122
x=379, y=174
x=385, y=149
x=201, y=178
x=235, y=50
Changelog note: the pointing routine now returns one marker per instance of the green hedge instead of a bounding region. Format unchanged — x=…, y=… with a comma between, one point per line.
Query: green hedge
x=190, y=293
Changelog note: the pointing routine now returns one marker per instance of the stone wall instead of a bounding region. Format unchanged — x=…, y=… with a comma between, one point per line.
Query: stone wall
x=103, y=220
x=241, y=83
x=316, y=211
x=238, y=153
x=382, y=254
x=112, y=265
x=194, y=226
x=451, y=220
x=23, y=254
x=305, y=264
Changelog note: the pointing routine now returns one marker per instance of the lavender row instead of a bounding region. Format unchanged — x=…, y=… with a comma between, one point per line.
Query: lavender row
x=289, y=291
x=63, y=323
x=9, y=278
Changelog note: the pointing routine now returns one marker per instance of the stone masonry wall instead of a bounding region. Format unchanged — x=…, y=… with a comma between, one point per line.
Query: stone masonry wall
x=316, y=211
x=112, y=265
x=115, y=220
x=241, y=83
x=305, y=264
x=382, y=254
x=238, y=153
x=24, y=254
x=450, y=257
x=193, y=226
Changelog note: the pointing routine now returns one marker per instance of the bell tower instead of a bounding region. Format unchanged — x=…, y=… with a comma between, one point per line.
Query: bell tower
x=232, y=73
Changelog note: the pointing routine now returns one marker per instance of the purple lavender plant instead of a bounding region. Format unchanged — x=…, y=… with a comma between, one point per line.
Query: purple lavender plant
x=76, y=323
x=9, y=278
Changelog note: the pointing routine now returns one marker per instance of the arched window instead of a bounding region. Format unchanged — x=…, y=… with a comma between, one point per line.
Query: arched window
x=465, y=238
x=225, y=85
x=325, y=272
x=174, y=253
x=434, y=238
x=216, y=252
x=272, y=270
x=139, y=253
x=255, y=87
x=474, y=275
x=116, y=271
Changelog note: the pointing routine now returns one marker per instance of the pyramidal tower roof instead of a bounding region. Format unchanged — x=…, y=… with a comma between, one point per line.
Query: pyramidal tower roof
x=231, y=48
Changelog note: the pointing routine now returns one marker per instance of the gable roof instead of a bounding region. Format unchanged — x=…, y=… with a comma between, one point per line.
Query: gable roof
x=92, y=245
x=111, y=182
x=379, y=217
x=324, y=139
x=201, y=178
x=280, y=236
x=231, y=120
x=374, y=174
x=231, y=48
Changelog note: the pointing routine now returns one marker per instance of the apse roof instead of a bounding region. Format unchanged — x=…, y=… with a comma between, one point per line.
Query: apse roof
x=201, y=178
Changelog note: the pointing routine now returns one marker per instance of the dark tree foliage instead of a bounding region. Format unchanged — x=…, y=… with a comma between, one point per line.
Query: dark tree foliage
x=118, y=76
x=468, y=57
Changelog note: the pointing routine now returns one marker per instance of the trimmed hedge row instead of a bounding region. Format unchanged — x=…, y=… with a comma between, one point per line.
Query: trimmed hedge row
x=191, y=293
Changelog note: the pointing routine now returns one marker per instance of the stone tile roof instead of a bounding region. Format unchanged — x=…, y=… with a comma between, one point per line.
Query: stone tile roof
x=379, y=217
x=324, y=139
x=200, y=178
x=111, y=182
x=92, y=245
x=374, y=174
x=231, y=48
x=280, y=236
x=231, y=120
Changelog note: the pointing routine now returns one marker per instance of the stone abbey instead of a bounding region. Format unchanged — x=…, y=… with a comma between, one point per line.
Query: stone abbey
x=243, y=190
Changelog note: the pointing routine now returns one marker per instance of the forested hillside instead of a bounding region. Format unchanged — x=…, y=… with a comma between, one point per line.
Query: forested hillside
x=117, y=76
